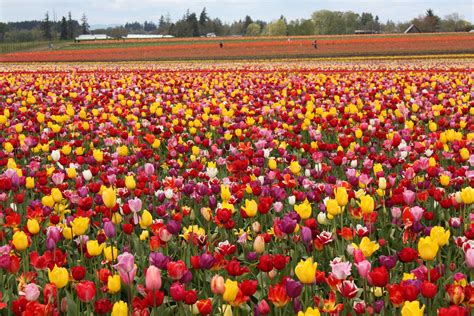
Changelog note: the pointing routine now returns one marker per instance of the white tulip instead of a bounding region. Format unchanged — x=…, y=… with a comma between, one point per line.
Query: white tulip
x=87, y=174
x=56, y=154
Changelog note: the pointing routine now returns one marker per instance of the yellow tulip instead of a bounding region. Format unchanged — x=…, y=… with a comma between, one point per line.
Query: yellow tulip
x=33, y=226
x=225, y=193
x=231, y=290
x=366, y=204
x=122, y=151
x=412, y=309
x=113, y=284
x=47, y=201
x=295, y=167
x=427, y=248
x=80, y=225
x=444, y=180
x=467, y=195
x=109, y=197
x=309, y=312
x=342, y=197
x=20, y=240
x=120, y=309
x=130, y=182
x=29, y=182
x=146, y=219
x=110, y=253
x=272, y=164
x=56, y=195
x=98, y=155
x=306, y=271
x=8, y=147
x=71, y=173
x=367, y=246
x=58, y=276
x=250, y=208
x=93, y=247
x=304, y=209
x=464, y=152
x=333, y=208
x=440, y=235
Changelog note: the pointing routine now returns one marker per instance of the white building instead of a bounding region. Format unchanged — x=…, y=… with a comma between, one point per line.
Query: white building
x=92, y=37
x=145, y=36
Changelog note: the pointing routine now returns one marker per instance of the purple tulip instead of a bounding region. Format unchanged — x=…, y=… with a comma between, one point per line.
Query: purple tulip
x=174, y=227
x=388, y=262
x=293, y=288
x=159, y=260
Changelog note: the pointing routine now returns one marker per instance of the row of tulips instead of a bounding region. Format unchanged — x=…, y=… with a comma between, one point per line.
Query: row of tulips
x=237, y=192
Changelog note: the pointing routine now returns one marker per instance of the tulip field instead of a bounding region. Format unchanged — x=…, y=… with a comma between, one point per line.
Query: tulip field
x=299, y=187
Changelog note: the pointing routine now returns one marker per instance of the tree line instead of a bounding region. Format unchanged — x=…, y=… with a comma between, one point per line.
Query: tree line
x=195, y=25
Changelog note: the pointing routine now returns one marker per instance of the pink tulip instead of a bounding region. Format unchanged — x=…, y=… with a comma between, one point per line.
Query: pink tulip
x=126, y=267
x=340, y=269
x=31, y=292
x=470, y=258
x=153, y=278
x=408, y=197
x=363, y=268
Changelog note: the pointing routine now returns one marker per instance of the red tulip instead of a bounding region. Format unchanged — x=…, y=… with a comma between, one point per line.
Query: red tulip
x=429, y=289
x=85, y=291
x=176, y=269
x=190, y=297
x=408, y=254
x=204, y=306
x=177, y=291
x=265, y=263
x=395, y=293
x=248, y=287
x=347, y=288
x=78, y=273
x=378, y=276
x=102, y=306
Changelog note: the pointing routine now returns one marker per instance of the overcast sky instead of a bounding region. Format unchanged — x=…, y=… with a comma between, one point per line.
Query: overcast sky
x=122, y=11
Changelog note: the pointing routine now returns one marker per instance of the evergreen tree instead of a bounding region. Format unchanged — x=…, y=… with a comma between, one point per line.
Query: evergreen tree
x=63, y=29
x=46, y=26
x=70, y=26
x=84, y=24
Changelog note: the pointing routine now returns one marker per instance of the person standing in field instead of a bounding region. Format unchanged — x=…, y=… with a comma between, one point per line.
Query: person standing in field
x=315, y=44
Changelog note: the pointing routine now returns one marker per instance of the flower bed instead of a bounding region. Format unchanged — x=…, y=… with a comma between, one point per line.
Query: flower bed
x=307, y=188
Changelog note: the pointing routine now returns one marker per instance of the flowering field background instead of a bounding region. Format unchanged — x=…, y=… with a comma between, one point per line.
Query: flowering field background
x=306, y=187
x=257, y=47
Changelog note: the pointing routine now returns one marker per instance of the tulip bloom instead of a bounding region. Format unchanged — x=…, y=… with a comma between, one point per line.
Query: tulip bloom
x=412, y=309
x=367, y=246
x=367, y=204
x=58, y=276
x=113, y=284
x=306, y=271
x=80, y=225
x=153, y=278
x=126, y=267
x=230, y=290
x=120, y=309
x=250, y=208
x=86, y=291
x=20, y=240
x=217, y=284
x=333, y=208
x=93, y=247
x=109, y=198
x=304, y=209
x=33, y=226
x=440, y=235
x=427, y=248
x=309, y=312
x=342, y=197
